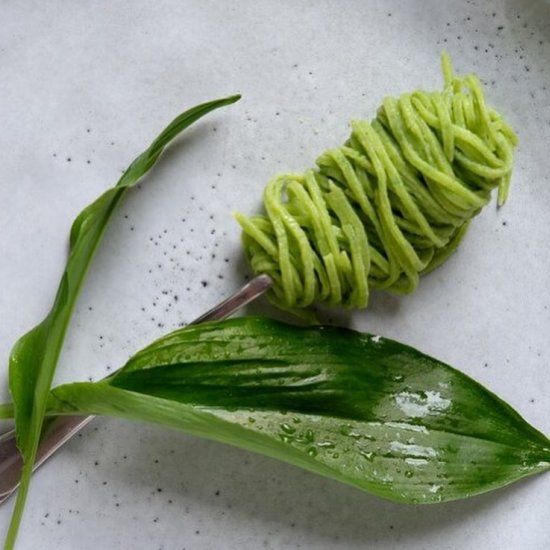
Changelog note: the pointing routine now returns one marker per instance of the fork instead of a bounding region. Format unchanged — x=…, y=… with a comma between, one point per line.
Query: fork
x=62, y=428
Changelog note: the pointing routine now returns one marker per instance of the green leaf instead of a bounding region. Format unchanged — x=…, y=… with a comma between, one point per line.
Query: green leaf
x=34, y=356
x=364, y=410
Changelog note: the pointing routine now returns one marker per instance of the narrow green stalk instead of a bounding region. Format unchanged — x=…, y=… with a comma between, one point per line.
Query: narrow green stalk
x=34, y=357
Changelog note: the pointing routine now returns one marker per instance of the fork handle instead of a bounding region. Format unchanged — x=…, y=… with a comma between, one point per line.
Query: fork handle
x=59, y=431
x=62, y=428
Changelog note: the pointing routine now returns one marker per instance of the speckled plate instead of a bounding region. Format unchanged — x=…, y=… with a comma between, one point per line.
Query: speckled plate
x=86, y=85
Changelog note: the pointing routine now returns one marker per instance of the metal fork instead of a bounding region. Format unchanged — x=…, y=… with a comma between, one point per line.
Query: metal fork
x=62, y=428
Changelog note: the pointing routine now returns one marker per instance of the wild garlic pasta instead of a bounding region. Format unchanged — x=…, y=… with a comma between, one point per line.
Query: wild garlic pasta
x=389, y=205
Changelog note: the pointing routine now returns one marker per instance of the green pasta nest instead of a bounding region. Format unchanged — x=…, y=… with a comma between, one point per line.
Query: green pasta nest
x=389, y=205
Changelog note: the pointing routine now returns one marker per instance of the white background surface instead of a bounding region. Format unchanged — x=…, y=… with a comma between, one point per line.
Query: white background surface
x=85, y=86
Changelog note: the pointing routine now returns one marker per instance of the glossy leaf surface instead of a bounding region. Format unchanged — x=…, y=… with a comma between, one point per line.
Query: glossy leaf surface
x=361, y=409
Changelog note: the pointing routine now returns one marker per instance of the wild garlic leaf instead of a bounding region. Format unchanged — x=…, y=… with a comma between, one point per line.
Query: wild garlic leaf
x=34, y=356
x=364, y=410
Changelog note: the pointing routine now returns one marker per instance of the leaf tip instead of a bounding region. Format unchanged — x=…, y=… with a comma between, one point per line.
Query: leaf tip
x=233, y=98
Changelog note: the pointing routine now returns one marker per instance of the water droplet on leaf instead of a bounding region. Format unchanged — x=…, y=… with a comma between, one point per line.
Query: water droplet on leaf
x=312, y=451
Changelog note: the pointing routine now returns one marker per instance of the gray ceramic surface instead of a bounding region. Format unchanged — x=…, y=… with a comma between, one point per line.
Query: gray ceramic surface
x=84, y=87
